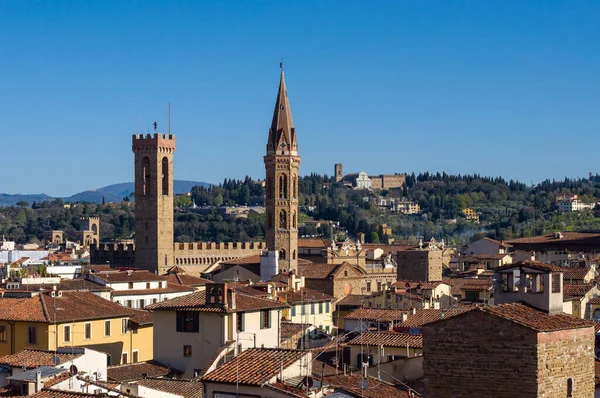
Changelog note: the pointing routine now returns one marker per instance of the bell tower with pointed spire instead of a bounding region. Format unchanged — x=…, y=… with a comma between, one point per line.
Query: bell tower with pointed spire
x=281, y=164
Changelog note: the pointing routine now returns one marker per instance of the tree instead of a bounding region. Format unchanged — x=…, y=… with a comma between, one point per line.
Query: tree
x=22, y=204
x=374, y=238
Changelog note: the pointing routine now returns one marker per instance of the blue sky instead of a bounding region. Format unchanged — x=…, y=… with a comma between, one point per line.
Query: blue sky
x=507, y=88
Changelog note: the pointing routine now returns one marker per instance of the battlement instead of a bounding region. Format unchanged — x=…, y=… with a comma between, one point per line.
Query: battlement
x=186, y=247
x=113, y=247
x=156, y=140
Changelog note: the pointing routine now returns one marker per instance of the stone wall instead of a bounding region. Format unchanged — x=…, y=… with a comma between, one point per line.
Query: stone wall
x=480, y=355
x=420, y=265
x=193, y=258
x=563, y=355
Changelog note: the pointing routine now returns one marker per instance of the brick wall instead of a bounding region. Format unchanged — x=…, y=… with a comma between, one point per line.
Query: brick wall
x=479, y=355
x=562, y=355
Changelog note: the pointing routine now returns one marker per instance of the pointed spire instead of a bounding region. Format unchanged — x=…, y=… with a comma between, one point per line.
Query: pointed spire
x=282, y=134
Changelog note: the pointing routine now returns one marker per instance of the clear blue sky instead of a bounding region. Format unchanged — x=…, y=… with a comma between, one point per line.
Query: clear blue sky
x=507, y=88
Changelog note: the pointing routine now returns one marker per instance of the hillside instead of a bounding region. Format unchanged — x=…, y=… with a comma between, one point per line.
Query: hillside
x=111, y=193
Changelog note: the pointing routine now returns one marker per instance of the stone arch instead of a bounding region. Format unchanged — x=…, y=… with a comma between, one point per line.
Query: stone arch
x=282, y=254
x=95, y=228
x=295, y=186
x=283, y=219
x=146, y=175
x=347, y=289
x=165, y=176
x=294, y=219
x=283, y=186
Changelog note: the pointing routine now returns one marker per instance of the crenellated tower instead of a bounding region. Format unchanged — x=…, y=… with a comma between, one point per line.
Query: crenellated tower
x=281, y=164
x=154, y=201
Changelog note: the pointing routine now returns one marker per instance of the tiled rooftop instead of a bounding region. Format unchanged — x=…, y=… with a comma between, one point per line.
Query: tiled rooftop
x=534, y=319
x=376, y=314
x=354, y=300
x=304, y=295
x=31, y=359
x=74, y=306
x=197, y=302
x=577, y=290
x=565, y=237
x=388, y=339
x=254, y=366
x=289, y=329
x=186, y=280
x=136, y=371
x=375, y=388
x=184, y=388
x=424, y=316
x=578, y=273
x=128, y=276
x=536, y=265
x=169, y=288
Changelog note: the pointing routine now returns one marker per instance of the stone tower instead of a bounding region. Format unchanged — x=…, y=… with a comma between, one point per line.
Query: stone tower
x=281, y=164
x=153, y=201
x=338, y=172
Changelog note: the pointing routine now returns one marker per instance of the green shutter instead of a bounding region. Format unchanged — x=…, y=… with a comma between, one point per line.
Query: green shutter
x=243, y=319
x=293, y=310
x=269, y=312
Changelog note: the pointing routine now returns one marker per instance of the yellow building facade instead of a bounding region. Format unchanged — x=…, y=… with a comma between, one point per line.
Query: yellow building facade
x=38, y=322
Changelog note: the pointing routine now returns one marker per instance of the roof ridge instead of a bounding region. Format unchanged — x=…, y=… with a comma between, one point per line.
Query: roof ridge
x=45, y=309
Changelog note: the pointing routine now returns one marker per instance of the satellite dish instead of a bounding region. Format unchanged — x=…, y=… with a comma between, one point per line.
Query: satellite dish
x=73, y=370
x=56, y=360
x=363, y=384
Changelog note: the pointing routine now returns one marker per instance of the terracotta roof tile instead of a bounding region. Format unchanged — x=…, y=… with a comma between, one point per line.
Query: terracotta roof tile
x=170, y=288
x=254, y=259
x=534, y=319
x=289, y=329
x=423, y=316
x=577, y=290
x=136, y=371
x=376, y=314
x=565, y=237
x=184, y=388
x=536, y=265
x=355, y=300
x=141, y=317
x=388, y=339
x=287, y=389
x=304, y=295
x=314, y=243
x=375, y=388
x=254, y=366
x=128, y=276
x=197, y=302
x=575, y=273
x=74, y=306
x=186, y=280
x=35, y=358
x=317, y=271
x=49, y=393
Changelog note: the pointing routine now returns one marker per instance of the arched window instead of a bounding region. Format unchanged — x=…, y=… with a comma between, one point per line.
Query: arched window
x=295, y=187
x=146, y=175
x=165, y=176
x=283, y=219
x=282, y=254
x=283, y=186
x=294, y=219
x=95, y=229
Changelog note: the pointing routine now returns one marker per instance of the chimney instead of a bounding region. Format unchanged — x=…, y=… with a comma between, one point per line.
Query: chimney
x=413, y=311
x=230, y=297
x=404, y=316
x=38, y=381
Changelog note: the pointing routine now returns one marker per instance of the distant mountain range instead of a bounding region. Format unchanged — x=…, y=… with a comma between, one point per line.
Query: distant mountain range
x=111, y=193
